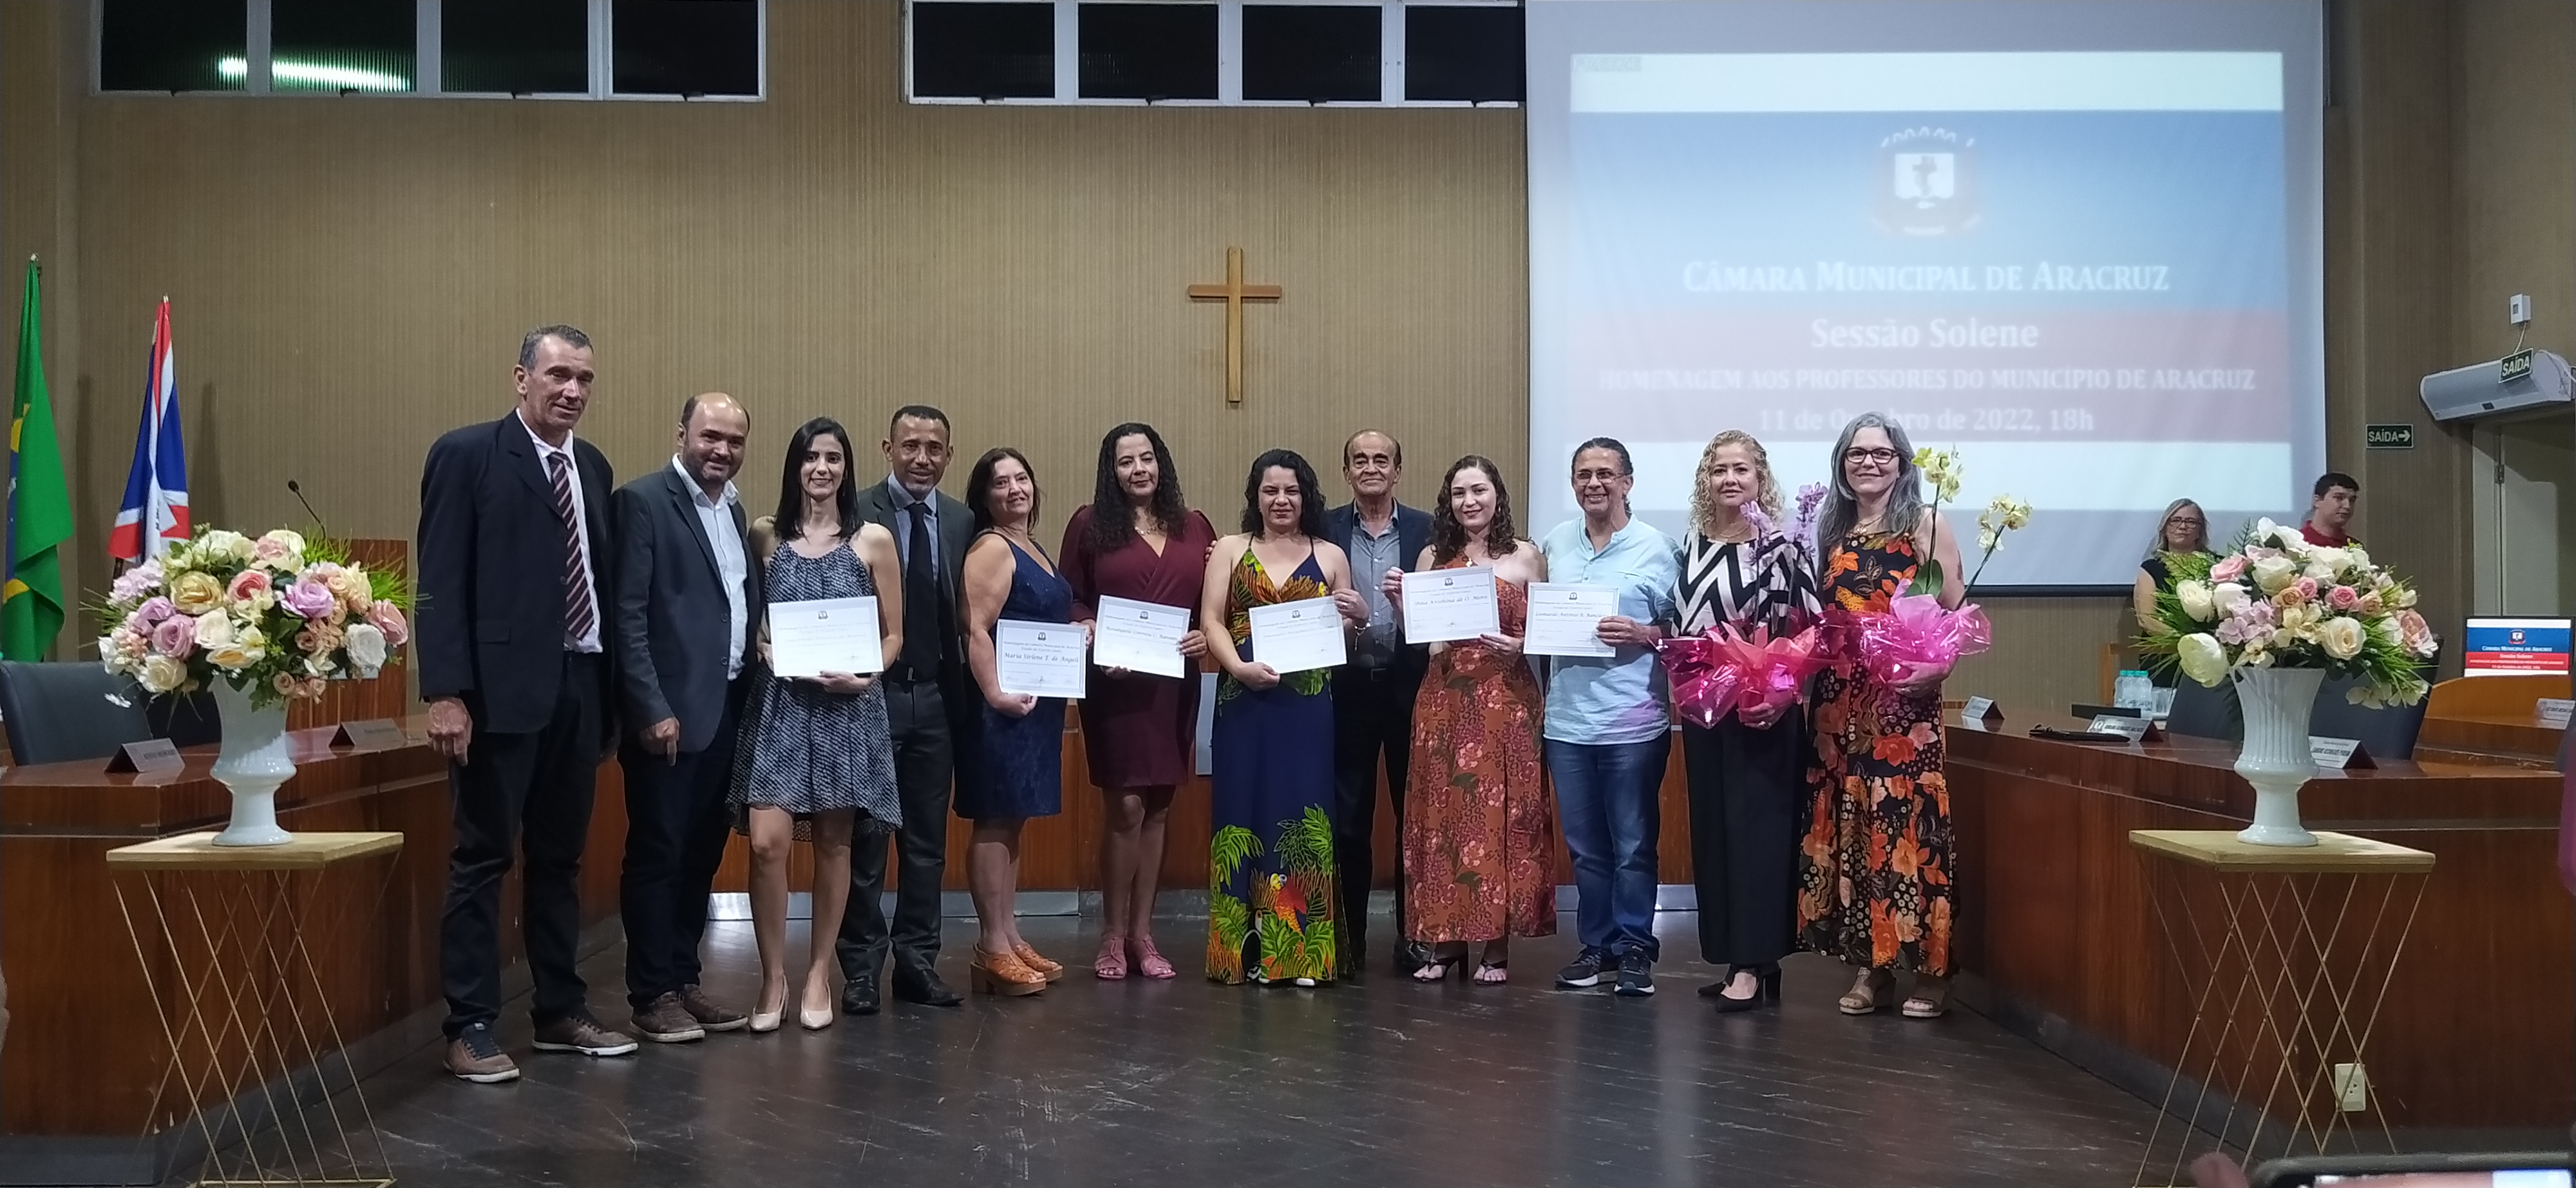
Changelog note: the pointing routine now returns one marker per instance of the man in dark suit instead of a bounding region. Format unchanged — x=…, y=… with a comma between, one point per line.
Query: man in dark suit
x=1373, y=694
x=688, y=600
x=514, y=586
x=928, y=705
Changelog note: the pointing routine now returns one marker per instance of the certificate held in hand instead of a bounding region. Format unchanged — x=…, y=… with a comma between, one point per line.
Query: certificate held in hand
x=1039, y=659
x=1296, y=636
x=808, y=639
x=1565, y=619
x=1443, y=605
x=1139, y=636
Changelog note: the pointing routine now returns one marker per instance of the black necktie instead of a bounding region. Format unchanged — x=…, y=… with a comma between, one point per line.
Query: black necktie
x=920, y=599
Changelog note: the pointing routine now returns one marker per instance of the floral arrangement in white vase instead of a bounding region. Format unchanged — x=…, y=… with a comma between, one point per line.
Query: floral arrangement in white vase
x=2278, y=601
x=272, y=617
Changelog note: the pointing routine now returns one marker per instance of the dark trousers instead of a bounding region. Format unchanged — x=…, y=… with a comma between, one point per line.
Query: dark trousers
x=677, y=823
x=925, y=764
x=522, y=792
x=1372, y=725
x=1746, y=789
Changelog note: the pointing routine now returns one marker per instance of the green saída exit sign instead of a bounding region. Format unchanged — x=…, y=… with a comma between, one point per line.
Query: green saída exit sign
x=2388, y=437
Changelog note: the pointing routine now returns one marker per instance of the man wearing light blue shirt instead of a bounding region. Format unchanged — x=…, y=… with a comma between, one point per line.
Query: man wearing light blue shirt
x=1609, y=722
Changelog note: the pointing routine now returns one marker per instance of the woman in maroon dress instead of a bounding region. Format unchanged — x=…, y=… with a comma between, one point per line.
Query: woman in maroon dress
x=1137, y=540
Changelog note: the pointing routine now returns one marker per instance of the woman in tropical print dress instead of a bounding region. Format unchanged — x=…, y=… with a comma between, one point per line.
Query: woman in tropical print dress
x=1271, y=890
x=1479, y=827
x=1874, y=868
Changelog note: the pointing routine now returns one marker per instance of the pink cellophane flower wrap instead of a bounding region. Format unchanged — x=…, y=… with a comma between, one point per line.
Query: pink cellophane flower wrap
x=1916, y=636
x=1722, y=672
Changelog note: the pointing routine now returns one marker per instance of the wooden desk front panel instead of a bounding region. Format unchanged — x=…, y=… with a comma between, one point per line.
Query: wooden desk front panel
x=2055, y=911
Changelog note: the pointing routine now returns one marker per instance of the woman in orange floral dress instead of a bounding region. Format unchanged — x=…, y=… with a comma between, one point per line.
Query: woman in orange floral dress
x=1479, y=832
x=1874, y=869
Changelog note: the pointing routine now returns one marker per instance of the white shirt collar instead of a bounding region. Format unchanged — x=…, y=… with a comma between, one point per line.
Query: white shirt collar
x=698, y=494
x=542, y=448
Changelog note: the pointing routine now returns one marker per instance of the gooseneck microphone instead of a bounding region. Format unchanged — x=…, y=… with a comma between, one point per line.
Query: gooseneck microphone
x=298, y=491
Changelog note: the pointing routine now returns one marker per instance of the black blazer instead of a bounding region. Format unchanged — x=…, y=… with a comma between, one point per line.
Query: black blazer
x=1412, y=534
x=956, y=532
x=491, y=611
x=672, y=611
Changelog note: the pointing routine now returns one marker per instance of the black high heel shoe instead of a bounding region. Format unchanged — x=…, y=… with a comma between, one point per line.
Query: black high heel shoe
x=1766, y=989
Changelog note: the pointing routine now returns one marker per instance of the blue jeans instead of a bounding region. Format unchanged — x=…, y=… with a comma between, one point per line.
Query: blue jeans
x=1606, y=792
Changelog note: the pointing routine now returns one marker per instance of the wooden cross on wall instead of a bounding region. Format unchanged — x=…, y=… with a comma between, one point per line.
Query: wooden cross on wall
x=1234, y=293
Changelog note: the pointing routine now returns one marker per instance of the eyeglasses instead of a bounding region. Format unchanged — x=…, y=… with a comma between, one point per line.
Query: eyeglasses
x=1856, y=456
x=1598, y=476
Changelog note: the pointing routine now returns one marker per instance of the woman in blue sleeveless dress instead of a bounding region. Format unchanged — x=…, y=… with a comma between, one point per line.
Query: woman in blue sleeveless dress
x=1015, y=770
x=1271, y=895
x=815, y=751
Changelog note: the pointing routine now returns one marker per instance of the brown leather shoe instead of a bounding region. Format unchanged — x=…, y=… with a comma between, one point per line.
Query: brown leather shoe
x=583, y=1034
x=475, y=1056
x=1029, y=957
x=666, y=1020
x=710, y=1016
x=1003, y=974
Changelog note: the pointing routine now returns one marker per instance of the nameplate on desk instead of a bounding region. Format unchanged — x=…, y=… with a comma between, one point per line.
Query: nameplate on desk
x=2553, y=711
x=147, y=757
x=2132, y=729
x=2338, y=754
x=374, y=734
x=1981, y=712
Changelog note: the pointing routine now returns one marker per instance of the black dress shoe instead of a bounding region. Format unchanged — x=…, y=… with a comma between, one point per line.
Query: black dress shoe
x=1411, y=956
x=920, y=983
x=859, y=996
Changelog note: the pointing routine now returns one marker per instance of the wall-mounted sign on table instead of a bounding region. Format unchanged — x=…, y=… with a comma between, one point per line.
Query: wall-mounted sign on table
x=2388, y=437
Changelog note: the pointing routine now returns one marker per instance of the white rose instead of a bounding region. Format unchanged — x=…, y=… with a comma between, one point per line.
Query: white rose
x=366, y=646
x=2390, y=631
x=2325, y=563
x=2195, y=600
x=162, y=674
x=234, y=545
x=2359, y=560
x=214, y=629
x=2341, y=637
x=235, y=656
x=2224, y=599
x=2203, y=658
x=2272, y=573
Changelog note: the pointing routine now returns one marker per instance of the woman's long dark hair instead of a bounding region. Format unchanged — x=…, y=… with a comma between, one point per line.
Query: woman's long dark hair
x=1112, y=524
x=1449, y=537
x=979, y=487
x=791, y=485
x=1310, y=495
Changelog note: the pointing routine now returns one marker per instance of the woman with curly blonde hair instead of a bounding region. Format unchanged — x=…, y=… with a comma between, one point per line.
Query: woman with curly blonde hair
x=1746, y=773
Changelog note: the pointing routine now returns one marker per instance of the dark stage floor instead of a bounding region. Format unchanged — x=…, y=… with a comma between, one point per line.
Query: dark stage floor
x=1379, y=1082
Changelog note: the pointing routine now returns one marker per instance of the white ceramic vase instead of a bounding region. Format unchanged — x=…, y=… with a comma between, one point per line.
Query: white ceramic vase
x=254, y=764
x=2278, y=703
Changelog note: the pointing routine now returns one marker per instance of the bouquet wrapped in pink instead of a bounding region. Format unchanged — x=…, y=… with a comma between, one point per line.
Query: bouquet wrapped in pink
x=1723, y=672
x=1915, y=636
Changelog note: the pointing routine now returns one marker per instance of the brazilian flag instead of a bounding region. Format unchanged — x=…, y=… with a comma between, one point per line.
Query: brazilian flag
x=40, y=506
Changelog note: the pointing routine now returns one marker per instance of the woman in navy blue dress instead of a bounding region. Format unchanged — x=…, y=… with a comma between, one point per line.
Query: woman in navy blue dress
x=1015, y=772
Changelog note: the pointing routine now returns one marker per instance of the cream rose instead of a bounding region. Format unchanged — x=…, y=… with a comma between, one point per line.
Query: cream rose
x=196, y=593
x=214, y=629
x=2195, y=600
x=2225, y=599
x=161, y=674
x=2342, y=637
x=366, y=647
x=2273, y=573
x=2203, y=658
x=235, y=656
x=220, y=543
x=2325, y=563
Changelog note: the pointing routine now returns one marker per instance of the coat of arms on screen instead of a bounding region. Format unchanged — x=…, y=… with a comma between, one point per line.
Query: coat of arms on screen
x=1927, y=182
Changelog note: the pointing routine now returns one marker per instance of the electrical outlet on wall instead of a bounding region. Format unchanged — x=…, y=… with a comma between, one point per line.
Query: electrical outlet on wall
x=2351, y=1087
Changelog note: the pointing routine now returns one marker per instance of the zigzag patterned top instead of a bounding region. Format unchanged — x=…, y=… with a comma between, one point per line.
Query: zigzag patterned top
x=1746, y=585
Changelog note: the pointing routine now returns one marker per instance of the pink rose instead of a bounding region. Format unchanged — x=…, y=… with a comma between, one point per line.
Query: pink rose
x=308, y=599
x=2343, y=598
x=248, y=584
x=154, y=610
x=284, y=684
x=2307, y=588
x=2228, y=570
x=175, y=637
x=389, y=619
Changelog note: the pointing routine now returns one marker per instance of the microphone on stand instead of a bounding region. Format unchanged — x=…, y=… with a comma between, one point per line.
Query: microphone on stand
x=298, y=491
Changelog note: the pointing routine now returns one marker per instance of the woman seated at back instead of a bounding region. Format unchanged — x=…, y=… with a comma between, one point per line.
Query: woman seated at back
x=2180, y=553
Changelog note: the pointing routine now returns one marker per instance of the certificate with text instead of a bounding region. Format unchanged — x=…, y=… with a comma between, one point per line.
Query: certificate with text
x=808, y=639
x=1565, y=619
x=1441, y=605
x=1296, y=636
x=1039, y=659
x=1139, y=636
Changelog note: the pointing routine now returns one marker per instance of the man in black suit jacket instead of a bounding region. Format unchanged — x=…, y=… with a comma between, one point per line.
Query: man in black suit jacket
x=1373, y=694
x=929, y=711
x=688, y=602
x=514, y=589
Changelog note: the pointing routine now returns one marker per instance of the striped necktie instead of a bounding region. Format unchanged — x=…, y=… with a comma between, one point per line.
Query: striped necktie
x=578, y=620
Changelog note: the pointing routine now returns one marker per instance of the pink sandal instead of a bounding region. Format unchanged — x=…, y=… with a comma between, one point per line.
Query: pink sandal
x=1149, y=962
x=1111, y=963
